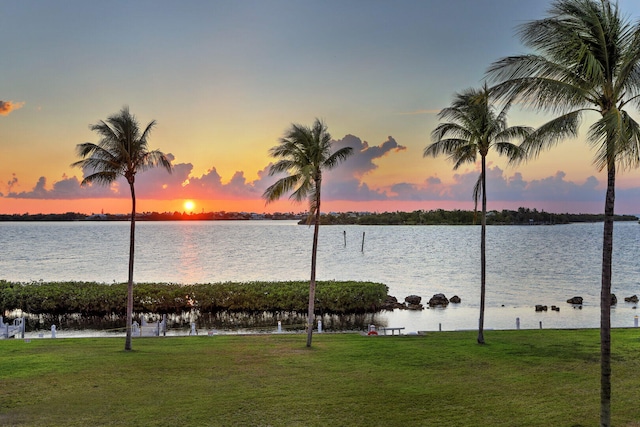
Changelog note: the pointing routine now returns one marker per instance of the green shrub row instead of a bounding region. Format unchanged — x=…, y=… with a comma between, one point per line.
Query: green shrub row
x=100, y=299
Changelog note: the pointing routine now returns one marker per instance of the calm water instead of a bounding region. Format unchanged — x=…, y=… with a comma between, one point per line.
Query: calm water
x=527, y=265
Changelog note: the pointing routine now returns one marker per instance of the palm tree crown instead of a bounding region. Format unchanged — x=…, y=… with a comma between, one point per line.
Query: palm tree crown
x=304, y=152
x=474, y=128
x=122, y=150
x=588, y=59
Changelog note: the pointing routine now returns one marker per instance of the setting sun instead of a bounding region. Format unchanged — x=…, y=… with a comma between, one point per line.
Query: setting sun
x=189, y=205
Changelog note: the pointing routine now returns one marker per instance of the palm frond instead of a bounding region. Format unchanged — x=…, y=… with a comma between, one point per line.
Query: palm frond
x=514, y=153
x=616, y=136
x=537, y=82
x=337, y=157
x=628, y=154
x=314, y=203
x=477, y=194
x=305, y=189
x=551, y=133
x=451, y=130
x=103, y=177
x=280, y=187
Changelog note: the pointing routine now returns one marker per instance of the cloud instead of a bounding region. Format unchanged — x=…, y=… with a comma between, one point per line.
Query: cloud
x=361, y=161
x=7, y=107
x=66, y=188
x=346, y=182
x=556, y=188
x=504, y=188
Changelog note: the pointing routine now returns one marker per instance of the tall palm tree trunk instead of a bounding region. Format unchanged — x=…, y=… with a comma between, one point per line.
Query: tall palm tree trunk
x=132, y=233
x=312, y=282
x=483, y=258
x=605, y=300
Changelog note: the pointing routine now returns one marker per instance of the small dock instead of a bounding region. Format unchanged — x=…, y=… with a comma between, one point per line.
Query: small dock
x=393, y=330
x=145, y=329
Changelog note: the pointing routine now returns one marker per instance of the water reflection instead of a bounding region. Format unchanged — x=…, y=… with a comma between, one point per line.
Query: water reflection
x=223, y=321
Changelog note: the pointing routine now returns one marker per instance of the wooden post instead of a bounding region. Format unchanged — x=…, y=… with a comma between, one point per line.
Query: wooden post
x=345, y=238
x=362, y=250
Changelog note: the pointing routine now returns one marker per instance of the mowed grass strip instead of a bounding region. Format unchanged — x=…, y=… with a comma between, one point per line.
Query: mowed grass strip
x=519, y=378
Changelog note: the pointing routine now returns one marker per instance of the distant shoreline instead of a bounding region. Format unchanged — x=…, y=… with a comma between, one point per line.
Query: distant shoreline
x=522, y=216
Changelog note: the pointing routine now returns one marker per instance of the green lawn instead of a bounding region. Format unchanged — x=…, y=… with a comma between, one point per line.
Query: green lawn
x=519, y=378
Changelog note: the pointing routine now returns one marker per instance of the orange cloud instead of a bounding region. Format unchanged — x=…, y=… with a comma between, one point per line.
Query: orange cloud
x=8, y=106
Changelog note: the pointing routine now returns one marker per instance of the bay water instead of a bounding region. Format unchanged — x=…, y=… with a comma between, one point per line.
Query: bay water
x=526, y=265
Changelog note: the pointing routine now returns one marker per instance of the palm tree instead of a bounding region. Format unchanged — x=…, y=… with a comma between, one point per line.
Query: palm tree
x=303, y=153
x=586, y=58
x=475, y=128
x=122, y=151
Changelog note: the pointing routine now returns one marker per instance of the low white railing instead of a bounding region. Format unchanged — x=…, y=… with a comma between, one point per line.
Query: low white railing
x=11, y=330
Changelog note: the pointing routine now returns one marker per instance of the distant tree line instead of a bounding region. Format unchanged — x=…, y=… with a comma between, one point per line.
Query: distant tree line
x=523, y=216
x=154, y=216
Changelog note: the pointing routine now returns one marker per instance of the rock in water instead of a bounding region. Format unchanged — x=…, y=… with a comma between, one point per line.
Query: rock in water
x=438, y=299
x=413, y=299
x=391, y=303
x=575, y=300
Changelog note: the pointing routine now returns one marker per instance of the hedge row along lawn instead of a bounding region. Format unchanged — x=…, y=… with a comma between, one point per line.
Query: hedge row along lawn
x=519, y=378
x=99, y=299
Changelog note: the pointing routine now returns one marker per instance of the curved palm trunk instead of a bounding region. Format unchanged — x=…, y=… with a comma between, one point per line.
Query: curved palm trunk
x=132, y=233
x=605, y=301
x=483, y=260
x=312, y=282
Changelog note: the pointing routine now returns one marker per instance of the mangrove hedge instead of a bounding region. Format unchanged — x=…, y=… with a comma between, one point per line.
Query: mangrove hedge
x=101, y=299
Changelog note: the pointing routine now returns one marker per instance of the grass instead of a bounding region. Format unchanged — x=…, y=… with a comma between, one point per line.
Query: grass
x=519, y=378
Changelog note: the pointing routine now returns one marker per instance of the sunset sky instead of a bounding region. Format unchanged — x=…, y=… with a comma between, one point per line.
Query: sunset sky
x=225, y=79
